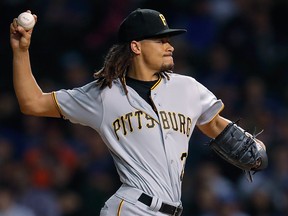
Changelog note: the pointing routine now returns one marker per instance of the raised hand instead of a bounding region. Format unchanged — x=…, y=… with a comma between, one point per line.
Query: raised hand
x=20, y=39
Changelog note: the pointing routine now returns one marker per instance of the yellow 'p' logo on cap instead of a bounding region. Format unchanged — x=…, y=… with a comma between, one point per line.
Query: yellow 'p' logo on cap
x=163, y=19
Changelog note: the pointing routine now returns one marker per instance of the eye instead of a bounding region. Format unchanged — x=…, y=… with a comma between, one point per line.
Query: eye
x=159, y=41
x=165, y=40
x=162, y=40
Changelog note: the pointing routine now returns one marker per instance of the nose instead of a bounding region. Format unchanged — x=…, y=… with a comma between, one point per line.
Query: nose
x=170, y=47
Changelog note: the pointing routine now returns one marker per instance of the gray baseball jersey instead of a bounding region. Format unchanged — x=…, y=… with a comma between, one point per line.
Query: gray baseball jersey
x=149, y=148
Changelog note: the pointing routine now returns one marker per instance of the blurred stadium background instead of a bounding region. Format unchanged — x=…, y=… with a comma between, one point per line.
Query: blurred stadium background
x=237, y=48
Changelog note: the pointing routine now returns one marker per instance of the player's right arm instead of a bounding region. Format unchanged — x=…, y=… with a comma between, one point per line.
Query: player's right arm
x=31, y=99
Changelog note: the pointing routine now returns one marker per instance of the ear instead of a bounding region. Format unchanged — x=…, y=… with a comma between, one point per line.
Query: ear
x=135, y=47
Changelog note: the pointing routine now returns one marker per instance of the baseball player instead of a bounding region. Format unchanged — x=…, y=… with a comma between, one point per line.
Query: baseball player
x=144, y=113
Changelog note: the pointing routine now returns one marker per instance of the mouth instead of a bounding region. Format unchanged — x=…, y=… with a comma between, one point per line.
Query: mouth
x=168, y=55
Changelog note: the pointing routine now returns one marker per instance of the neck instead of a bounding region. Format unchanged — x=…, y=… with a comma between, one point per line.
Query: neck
x=143, y=77
x=142, y=74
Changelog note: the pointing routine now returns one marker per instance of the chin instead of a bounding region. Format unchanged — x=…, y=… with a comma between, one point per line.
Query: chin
x=167, y=67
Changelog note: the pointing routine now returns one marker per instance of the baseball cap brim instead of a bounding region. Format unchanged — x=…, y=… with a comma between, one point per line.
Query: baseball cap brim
x=166, y=32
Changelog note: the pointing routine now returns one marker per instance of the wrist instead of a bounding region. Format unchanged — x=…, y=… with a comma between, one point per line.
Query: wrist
x=20, y=51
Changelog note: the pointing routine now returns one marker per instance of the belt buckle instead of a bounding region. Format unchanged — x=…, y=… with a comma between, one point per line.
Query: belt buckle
x=178, y=211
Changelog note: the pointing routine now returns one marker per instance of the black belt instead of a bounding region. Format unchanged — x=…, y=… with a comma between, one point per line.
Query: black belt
x=165, y=208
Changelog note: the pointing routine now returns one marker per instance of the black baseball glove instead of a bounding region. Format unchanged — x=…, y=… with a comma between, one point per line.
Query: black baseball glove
x=240, y=149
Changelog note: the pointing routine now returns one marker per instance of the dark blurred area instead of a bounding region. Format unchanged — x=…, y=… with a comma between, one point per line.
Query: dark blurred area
x=236, y=48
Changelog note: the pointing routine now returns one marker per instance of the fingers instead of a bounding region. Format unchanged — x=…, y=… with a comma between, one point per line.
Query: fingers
x=19, y=37
x=18, y=33
x=14, y=27
x=34, y=15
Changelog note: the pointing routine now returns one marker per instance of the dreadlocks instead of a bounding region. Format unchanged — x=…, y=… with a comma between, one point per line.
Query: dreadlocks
x=116, y=64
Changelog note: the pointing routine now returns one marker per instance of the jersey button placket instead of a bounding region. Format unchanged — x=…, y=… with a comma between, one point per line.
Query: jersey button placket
x=167, y=135
x=157, y=104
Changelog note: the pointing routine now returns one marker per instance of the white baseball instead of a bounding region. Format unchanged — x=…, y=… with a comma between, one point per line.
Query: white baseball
x=26, y=20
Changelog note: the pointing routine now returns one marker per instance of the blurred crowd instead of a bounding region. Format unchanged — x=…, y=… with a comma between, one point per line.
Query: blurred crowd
x=236, y=48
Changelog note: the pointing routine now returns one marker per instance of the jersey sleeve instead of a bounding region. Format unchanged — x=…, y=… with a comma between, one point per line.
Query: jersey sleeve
x=211, y=106
x=81, y=105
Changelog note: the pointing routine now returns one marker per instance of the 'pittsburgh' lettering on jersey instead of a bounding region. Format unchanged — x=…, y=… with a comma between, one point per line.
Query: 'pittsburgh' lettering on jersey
x=170, y=120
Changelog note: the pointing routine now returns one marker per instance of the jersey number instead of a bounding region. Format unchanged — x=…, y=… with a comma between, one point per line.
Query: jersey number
x=183, y=161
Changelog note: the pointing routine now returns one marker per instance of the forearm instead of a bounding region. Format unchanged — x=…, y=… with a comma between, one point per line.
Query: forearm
x=25, y=86
x=31, y=99
x=214, y=127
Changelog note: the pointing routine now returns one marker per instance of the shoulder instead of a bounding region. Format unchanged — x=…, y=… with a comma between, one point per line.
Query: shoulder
x=183, y=80
x=90, y=86
x=87, y=91
x=93, y=88
x=186, y=84
x=180, y=77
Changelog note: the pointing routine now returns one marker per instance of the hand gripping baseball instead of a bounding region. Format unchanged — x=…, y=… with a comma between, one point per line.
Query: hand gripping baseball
x=240, y=149
x=20, y=37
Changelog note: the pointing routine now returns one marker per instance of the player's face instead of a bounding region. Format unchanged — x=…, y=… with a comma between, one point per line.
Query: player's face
x=157, y=54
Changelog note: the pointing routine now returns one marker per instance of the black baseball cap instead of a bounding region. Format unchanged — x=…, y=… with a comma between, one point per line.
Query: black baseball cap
x=145, y=23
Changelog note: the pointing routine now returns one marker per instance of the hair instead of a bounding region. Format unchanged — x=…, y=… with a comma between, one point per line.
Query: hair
x=116, y=63
x=115, y=66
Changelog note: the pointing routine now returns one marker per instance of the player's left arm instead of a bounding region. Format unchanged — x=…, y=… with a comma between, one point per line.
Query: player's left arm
x=213, y=128
x=235, y=145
